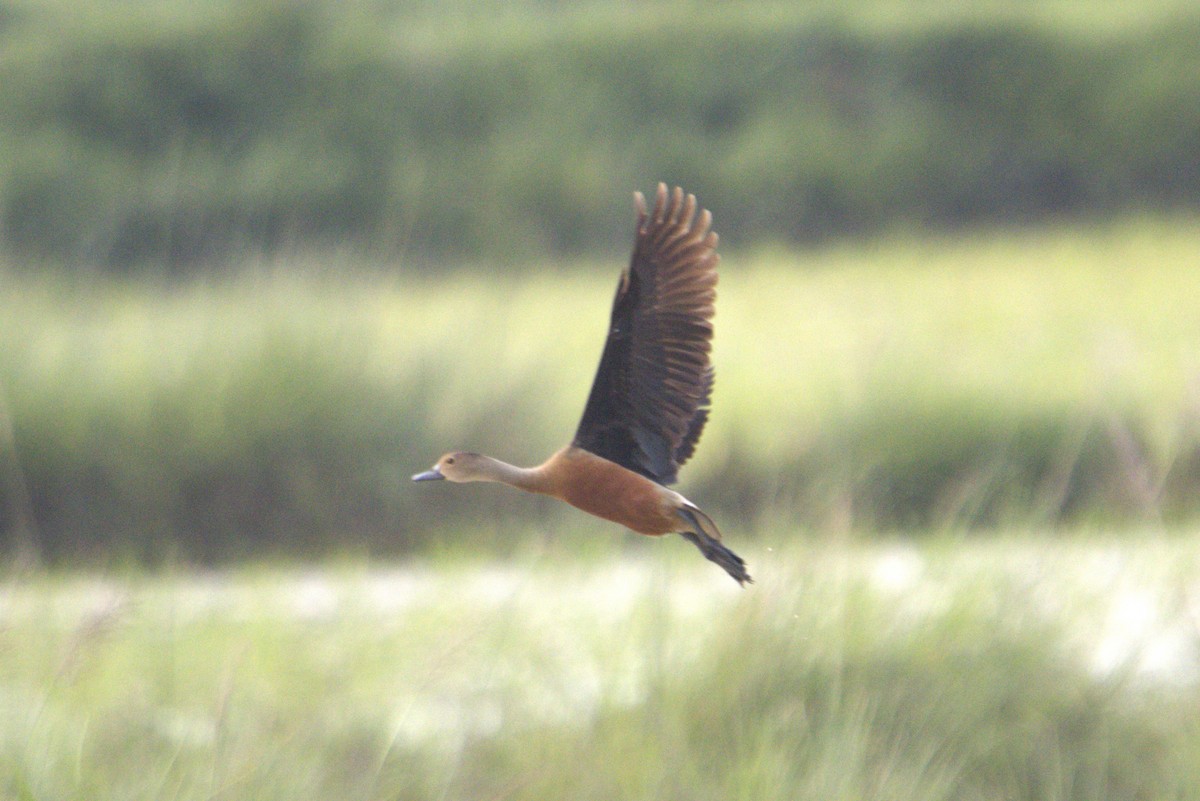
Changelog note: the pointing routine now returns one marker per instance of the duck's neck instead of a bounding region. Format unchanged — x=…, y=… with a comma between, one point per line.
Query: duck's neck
x=530, y=479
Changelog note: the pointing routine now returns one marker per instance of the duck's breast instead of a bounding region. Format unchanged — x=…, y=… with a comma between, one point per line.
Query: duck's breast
x=610, y=491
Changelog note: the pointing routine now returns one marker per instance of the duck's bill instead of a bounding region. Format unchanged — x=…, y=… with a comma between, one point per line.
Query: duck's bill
x=428, y=475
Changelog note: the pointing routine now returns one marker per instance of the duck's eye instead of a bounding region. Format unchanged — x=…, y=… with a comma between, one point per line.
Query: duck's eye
x=450, y=460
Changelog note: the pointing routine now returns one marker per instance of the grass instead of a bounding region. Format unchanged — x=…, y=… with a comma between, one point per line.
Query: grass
x=1007, y=379
x=1037, y=321
x=947, y=383
x=1011, y=669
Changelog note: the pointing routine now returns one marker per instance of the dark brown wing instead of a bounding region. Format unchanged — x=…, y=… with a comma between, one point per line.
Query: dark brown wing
x=649, y=401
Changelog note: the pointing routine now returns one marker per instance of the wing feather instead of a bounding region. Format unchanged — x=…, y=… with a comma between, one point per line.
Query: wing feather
x=650, y=398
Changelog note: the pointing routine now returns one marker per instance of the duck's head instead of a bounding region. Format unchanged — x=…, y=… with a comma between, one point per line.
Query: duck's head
x=458, y=466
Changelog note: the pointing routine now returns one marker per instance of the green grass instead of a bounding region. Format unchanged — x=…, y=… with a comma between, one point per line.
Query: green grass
x=1009, y=379
x=1006, y=670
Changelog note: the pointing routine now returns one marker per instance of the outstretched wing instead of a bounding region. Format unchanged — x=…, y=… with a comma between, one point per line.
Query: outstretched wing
x=650, y=398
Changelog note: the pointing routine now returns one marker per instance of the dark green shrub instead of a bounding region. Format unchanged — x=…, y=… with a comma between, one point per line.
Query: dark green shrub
x=166, y=134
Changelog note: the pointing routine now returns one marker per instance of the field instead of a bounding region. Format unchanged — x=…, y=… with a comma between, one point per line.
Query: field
x=1008, y=670
x=261, y=261
x=1013, y=633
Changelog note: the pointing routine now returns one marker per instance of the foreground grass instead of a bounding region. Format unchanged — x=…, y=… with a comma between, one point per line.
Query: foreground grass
x=1007, y=670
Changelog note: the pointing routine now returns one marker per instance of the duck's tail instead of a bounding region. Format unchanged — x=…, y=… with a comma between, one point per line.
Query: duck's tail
x=707, y=538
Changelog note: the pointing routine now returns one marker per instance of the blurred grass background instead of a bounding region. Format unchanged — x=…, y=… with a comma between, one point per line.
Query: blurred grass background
x=260, y=261
x=1041, y=378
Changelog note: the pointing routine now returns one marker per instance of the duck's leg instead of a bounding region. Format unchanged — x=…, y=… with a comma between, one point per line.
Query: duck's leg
x=704, y=535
